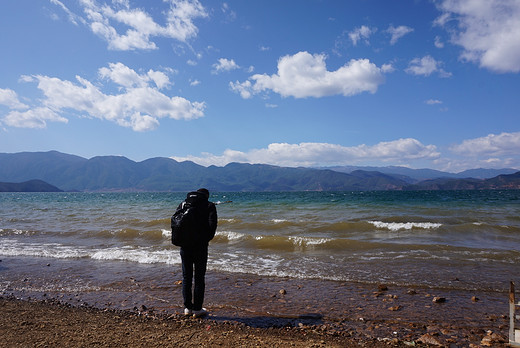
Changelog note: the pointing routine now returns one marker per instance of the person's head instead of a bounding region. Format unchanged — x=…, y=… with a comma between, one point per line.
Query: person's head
x=204, y=192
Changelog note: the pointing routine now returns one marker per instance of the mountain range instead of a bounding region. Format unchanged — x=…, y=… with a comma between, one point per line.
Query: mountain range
x=116, y=173
x=28, y=186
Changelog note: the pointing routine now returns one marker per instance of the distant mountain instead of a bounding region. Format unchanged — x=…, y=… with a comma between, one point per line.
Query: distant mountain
x=415, y=175
x=113, y=173
x=28, y=186
x=482, y=173
x=116, y=173
x=506, y=181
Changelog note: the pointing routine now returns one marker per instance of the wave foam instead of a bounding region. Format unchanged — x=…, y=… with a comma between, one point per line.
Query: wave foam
x=396, y=226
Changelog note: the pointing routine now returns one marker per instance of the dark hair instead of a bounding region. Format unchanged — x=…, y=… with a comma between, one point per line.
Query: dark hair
x=204, y=191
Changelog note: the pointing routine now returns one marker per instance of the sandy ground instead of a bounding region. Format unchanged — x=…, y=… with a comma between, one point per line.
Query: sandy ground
x=49, y=323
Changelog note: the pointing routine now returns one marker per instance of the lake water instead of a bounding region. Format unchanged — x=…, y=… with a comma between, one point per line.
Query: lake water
x=459, y=240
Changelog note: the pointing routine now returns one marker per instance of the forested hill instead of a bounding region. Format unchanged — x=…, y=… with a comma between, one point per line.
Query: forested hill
x=28, y=186
x=115, y=173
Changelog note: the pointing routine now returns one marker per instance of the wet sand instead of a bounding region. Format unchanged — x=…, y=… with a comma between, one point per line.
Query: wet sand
x=264, y=310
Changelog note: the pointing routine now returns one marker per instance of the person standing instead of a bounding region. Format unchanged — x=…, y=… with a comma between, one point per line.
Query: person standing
x=194, y=252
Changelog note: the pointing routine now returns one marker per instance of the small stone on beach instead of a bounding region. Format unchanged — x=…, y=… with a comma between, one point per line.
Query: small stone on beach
x=438, y=299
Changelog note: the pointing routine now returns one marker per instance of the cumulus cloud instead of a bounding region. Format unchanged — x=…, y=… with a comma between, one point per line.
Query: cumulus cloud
x=139, y=103
x=322, y=154
x=492, y=145
x=224, y=64
x=425, y=66
x=129, y=78
x=487, y=30
x=433, y=101
x=109, y=21
x=32, y=118
x=397, y=33
x=9, y=98
x=304, y=75
x=362, y=32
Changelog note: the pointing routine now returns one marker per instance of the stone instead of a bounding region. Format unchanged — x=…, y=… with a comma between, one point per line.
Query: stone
x=429, y=339
x=492, y=339
x=438, y=299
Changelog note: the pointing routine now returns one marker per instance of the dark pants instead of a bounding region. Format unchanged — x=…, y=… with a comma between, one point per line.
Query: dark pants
x=194, y=259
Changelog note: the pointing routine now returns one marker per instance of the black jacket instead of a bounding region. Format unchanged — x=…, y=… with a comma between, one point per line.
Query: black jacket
x=206, y=218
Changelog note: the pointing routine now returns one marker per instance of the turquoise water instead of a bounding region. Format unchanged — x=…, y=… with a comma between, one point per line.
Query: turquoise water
x=436, y=239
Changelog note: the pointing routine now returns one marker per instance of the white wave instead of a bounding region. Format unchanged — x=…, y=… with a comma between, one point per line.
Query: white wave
x=166, y=233
x=230, y=235
x=278, y=221
x=308, y=241
x=145, y=255
x=396, y=226
x=140, y=255
x=231, y=220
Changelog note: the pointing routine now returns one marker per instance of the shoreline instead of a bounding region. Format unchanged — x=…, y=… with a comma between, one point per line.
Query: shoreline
x=272, y=308
x=53, y=323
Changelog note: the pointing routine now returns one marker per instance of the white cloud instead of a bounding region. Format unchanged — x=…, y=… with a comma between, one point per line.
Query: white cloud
x=362, y=32
x=322, y=154
x=73, y=18
x=230, y=14
x=32, y=118
x=126, y=77
x=492, y=145
x=245, y=89
x=304, y=75
x=433, y=102
x=139, y=103
x=9, y=98
x=126, y=28
x=425, y=66
x=398, y=32
x=487, y=30
x=224, y=64
x=438, y=43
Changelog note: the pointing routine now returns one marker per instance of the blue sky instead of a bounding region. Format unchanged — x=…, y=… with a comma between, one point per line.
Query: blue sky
x=414, y=83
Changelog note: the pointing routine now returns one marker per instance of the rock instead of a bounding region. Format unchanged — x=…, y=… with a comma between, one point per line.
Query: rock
x=475, y=299
x=429, y=339
x=492, y=339
x=283, y=292
x=382, y=287
x=394, y=308
x=438, y=299
x=411, y=292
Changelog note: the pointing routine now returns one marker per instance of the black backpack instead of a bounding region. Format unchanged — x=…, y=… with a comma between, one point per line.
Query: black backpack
x=190, y=221
x=183, y=224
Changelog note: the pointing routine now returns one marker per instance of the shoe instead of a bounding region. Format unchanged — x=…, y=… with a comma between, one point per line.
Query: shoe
x=188, y=311
x=200, y=313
